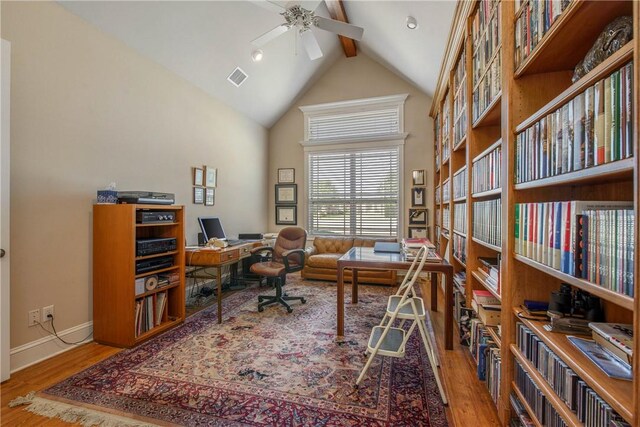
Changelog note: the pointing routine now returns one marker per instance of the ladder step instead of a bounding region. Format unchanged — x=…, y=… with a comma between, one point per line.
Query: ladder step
x=392, y=343
x=406, y=312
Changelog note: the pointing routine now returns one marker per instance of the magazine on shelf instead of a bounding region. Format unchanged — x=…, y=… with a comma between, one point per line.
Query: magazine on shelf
x=607, y=362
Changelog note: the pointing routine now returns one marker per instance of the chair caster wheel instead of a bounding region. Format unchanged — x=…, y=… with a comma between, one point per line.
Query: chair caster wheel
x=260, y=309
x=304, y=301
x=289, y=310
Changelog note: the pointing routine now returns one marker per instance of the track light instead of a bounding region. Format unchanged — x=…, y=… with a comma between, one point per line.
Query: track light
x=412, y=24
x=256, y=55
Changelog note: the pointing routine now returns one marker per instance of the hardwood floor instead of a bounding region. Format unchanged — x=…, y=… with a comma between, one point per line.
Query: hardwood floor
x=469, y=401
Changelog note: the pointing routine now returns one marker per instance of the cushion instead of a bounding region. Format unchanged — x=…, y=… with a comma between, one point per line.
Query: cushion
x=324, y=261
x=269, y=269
x=335, y=245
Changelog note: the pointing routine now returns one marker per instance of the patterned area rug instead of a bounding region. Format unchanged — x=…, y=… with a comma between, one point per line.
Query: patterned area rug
x=265, y=369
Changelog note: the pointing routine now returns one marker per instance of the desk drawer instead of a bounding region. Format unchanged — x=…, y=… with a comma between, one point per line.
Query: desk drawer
x=245, y=251
x=229, y=255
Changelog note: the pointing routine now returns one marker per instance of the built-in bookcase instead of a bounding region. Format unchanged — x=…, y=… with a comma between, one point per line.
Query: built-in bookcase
x=519, y=145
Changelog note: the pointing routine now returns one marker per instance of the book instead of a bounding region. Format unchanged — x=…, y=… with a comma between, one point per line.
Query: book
x=482, y=296
x=387, y=247
x=607, y=362
x=620, y=335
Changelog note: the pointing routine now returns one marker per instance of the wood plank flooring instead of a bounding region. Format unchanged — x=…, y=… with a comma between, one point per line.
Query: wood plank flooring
x=469, y=401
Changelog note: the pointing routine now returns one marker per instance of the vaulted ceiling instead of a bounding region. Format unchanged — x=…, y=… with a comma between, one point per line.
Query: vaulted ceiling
x=204, y=41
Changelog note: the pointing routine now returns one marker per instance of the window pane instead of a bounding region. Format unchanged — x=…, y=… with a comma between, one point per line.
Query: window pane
x=354, y=193
x=361, y=124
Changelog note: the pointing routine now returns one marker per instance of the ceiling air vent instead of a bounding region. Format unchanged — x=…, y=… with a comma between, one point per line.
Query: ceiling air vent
x=237, y=77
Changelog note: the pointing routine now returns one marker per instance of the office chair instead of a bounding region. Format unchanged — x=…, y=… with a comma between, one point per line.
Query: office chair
x=286, y=256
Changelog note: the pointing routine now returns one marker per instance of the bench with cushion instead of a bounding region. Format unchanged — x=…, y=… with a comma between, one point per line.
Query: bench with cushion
x=322, y=260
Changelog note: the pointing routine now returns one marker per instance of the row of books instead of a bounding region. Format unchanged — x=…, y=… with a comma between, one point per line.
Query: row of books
x=486, y=36
x=438, y=223
x=446, y=148
x=590, y=240
x=460, y=183
x=543, y=410
x=486, y=171
x=460, y=247
x=460, y=217
x=438, y=195
x=594, y=128
x=488, y=89
x=489, y=271
x=459, y=101
x=493, y=368
x=446, y=219
x=446, y=190
x=437, y=231
x=437, y=136
x=532, y=24
x=149, y=312
x=521, y=417
x=574, y=392
x=487, y=221
x=487, y=356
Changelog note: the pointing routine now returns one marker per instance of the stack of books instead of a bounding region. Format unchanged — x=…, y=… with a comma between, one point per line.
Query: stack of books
x=487, y=306
x=489, y=269
x=616, y=338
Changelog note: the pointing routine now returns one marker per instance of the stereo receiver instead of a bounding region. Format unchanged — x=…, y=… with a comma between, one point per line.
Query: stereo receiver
x=145, y=217
x=155, y=246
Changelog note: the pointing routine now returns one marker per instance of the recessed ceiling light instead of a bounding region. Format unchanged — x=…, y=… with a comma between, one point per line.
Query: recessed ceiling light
x=256, y=55
x=412, y=24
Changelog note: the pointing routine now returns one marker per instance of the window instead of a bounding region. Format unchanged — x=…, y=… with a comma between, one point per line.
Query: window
x=353, y=167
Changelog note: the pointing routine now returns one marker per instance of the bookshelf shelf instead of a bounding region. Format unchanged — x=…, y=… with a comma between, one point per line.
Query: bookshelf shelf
x=138, y=258
x=532, y=414
x=564, y=45
x=488, y=193
x=491, y=115
x=606, y=294
x=487, y=245
x=493, y=331
x=618, y=393
x=464, y=265
x=162, y=270
x=461, y=234
x=158, y=290
x=444, y=235
x=615, y=61
x=557, y=403
x=460, y=145
x=487, y=150
x=483, y=282
x=460, y=199
x=618, y=170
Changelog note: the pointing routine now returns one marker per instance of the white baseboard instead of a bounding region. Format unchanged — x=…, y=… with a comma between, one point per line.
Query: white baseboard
x=49, y=346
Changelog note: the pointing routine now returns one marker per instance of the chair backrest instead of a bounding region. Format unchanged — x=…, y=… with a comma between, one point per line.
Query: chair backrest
x=290, y=238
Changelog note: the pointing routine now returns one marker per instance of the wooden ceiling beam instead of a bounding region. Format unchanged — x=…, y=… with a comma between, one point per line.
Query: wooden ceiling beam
x=336, y=11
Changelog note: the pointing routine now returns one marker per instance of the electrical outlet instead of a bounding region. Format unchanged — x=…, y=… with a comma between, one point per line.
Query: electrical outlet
x=34, y=317
x=46, y=311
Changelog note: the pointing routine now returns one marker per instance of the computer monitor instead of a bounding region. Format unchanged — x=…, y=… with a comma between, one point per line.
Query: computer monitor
x=211, y=228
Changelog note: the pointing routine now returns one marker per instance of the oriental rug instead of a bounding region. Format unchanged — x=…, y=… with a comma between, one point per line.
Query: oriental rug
x=263, y=369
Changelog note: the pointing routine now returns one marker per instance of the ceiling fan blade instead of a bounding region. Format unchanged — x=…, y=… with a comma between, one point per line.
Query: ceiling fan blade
x=338, y=27
x=268, y=5
x=270, y=35
x=311, y=44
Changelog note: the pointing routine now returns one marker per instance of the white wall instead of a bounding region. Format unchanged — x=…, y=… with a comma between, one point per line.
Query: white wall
x=86, y=111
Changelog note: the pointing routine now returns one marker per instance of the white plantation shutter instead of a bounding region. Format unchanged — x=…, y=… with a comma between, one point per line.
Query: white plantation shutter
x=353, y=125
x=354, y=193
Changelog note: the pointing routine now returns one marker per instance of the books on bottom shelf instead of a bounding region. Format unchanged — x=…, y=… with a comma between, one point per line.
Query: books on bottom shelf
x=149, y=312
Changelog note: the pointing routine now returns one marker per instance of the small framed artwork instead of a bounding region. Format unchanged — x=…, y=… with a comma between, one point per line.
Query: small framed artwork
x=287, y=193
x=286, y=215
x=418, y=196
x=209, y=196
x=286, y=176
x=417, y=232
x=198, y=195
x=210, y=176
x=198, y=177
x=418, y=177
x=417, y=217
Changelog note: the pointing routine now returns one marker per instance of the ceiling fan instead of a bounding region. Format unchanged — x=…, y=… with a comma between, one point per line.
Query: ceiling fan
x=303, y=20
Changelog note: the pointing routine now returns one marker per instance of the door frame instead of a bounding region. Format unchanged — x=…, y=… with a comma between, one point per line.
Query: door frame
x=5, y=301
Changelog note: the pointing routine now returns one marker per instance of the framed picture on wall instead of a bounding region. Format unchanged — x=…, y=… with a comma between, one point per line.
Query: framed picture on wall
x=198, y=177
x=287, y=193
x=286, y=215
x=209, y=196
x=198, y=195
x=210, y=176
x=417, y=232
x=418, y=196
x=418, y=177
x=286, y=176
x=417, y=217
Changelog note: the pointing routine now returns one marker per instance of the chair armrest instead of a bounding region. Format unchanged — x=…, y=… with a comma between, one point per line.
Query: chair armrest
x=290, y=268
x=311, y=250
x=261, y=253
x=261, y=248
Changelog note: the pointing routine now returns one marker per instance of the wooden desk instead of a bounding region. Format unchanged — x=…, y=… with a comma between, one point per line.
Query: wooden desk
x=366, y=258
x=208, y=257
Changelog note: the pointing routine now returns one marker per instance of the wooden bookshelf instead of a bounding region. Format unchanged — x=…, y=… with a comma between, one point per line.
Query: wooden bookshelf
x=115, y=230
x=530, y=91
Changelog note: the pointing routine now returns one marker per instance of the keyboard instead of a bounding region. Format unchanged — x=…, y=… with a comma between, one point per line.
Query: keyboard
x=234, y=242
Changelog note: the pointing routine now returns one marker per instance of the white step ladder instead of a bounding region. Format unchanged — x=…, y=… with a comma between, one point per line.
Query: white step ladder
x=389, y=340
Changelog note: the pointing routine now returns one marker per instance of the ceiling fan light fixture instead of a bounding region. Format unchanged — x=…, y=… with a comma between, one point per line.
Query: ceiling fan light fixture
x=412, y=23
x=257, y=55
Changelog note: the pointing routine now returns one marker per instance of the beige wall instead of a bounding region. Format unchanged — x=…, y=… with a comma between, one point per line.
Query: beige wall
x=353, y=78
x=85, y=111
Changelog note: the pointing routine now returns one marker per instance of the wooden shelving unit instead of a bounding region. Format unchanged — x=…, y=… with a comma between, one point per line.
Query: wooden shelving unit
x=528, y=92
x=115, y=301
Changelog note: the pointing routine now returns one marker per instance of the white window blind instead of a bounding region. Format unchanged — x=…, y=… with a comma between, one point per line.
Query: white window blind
x=354, y=192
x=357, y=124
